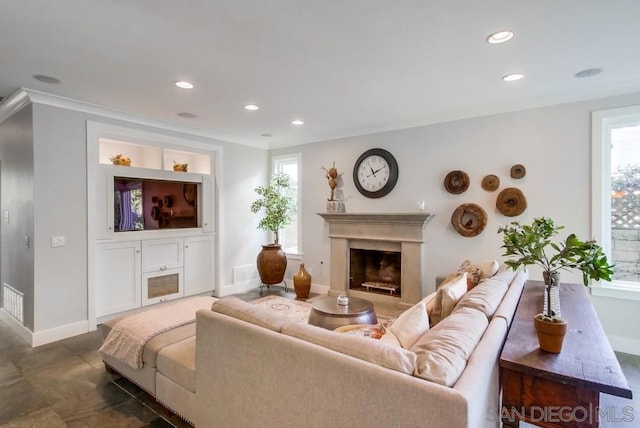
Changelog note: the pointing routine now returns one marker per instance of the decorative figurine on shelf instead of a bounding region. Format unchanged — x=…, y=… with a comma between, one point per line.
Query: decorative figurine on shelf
x=120, y=159
x=332, y=175
x=333, y=204
x=178, y=166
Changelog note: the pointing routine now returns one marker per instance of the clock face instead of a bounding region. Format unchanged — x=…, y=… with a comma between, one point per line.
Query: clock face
x=375, y=173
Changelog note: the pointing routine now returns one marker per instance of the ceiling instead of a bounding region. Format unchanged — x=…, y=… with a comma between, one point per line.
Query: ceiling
x=344, y=67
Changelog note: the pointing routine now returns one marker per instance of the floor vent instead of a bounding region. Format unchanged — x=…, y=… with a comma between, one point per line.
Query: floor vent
x=13, y=302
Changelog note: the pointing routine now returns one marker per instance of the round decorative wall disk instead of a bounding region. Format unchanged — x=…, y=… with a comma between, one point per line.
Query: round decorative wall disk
x=518, y=171
x=490, y=183
x=469, y=219
x=456, y=182
x=511, y=202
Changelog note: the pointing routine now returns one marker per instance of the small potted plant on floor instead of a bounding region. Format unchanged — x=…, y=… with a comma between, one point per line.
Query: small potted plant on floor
x=278, y=203
x=532, y=245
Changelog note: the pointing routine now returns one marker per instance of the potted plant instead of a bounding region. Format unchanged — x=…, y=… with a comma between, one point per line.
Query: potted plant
x=278, y=203
x=532, y=245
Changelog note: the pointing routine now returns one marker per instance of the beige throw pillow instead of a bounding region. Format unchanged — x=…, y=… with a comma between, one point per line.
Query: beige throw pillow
x=488, y=268
x=447, y=297
x=411, y=324
x=485, y=297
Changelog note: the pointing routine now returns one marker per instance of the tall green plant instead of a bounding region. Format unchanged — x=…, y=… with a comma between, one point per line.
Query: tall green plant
x=532, y=245
x=278, y=203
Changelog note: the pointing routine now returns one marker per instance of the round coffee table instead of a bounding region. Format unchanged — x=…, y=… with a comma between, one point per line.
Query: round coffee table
x=326, y=312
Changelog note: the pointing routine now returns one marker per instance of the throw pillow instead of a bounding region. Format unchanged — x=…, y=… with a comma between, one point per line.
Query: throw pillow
x=446, y=298
x=411, y=324
x=488, y=268
x=473, y=273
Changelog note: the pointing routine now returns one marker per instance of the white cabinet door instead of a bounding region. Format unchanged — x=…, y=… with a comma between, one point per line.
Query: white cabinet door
x=161, y=254
x=118, y=285
x=199, y=264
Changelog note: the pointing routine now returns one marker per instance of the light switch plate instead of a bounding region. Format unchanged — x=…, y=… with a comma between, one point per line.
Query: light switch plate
x=58, y=241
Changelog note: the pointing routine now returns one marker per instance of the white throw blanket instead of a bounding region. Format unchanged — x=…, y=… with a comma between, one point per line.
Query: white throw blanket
x=127, y=338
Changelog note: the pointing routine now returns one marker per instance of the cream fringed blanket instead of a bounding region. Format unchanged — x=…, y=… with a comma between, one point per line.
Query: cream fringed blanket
x=128, y=336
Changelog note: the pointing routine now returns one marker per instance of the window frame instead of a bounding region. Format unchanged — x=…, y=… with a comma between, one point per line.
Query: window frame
x=276, y=166
x=602, y=122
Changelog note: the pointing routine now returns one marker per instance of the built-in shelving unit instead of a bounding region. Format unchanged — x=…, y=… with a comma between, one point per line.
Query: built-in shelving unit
x=130, y=268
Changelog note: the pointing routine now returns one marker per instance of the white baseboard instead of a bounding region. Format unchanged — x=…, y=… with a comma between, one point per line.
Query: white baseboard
x=320, y=289
x=624, y=344
x=47, y=336
x=58, y=333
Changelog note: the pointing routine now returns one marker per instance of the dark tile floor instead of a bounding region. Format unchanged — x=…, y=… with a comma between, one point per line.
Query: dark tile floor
x=64, y=384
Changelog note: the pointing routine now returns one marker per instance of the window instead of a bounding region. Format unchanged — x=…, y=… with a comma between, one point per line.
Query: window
x=290, y=235
x=616, y=191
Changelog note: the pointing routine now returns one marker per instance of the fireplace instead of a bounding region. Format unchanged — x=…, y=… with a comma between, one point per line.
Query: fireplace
x=389, y=252
x=375, y=271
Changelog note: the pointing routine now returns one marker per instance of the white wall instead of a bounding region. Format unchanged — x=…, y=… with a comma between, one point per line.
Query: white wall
x=553, y=143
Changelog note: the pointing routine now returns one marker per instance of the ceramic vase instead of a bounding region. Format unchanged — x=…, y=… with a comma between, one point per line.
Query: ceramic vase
x=272, y=263
x=302, y=283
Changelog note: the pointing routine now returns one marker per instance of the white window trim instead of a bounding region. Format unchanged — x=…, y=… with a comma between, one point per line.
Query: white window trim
x=274, y=163
x=602, y=124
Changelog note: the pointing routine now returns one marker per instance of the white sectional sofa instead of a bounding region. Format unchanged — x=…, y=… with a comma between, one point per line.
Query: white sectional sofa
x=246, y=367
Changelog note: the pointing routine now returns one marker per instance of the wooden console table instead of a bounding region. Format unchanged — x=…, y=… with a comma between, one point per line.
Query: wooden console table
x=558, y=390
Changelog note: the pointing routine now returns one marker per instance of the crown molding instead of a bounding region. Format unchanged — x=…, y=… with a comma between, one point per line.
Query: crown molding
x=25, y=96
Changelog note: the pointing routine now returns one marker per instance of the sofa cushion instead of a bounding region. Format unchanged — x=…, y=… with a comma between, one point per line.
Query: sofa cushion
x=373, y=351
x=443, y=351
x=178, y=363
x=236, y=308
x=447, y=297
x=485, y=297
x=411, y=324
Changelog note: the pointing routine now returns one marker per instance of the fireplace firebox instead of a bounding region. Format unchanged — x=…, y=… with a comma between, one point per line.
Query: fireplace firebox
x=375, y=271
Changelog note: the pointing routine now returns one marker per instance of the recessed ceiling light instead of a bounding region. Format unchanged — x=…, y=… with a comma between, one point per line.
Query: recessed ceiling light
x=184, y=84
x=500, y=37
x=251, y=107
x=46, y=79
x=187, y=115
x=512, y=77
x=297, y=122
x=266, y=135
x=588, y=72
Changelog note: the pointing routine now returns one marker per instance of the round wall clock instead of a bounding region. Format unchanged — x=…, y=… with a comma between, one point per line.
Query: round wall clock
x=375, y=173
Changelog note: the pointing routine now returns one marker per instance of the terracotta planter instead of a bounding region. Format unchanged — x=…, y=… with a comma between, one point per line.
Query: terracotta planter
x=550, y=334
x=302, y=283
x=272, y=263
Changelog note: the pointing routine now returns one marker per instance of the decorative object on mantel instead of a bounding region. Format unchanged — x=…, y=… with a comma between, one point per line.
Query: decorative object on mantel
x=333, y=205
x=332, y=176
x=121, y=160
x=375, y=173
x=456, y=182
x=490, y=182
x=177, y=166
x=531, y=245
x=469, y=219
x=277, y=202
x=302, y=283
x=518, y=171
x=511, y=202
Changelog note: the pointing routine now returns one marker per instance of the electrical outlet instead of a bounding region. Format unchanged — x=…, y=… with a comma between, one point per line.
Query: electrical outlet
x=58, y=241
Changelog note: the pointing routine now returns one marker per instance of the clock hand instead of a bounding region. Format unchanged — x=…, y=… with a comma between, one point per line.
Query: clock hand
x=374, y=172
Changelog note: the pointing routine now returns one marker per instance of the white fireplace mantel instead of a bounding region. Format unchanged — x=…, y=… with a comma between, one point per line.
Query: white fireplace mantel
x=403, y=232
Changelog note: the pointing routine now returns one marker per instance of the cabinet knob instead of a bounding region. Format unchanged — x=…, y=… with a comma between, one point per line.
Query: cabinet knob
x=186, y=246
x=163, y=268
x=137, y=251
